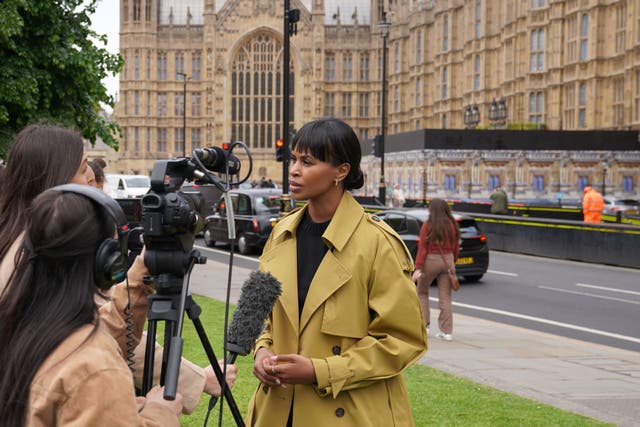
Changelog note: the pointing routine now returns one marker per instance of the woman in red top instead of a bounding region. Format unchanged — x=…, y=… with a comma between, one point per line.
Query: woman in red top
x=439, y=237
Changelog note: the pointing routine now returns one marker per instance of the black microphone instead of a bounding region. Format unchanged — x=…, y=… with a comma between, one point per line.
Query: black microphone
x=217, y=160
x=257, y=297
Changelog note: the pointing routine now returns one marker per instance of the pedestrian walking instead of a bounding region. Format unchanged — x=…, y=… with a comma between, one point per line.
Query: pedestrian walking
x=397, y=197
x=500, y=201
x=592, y=205
x=438, y=248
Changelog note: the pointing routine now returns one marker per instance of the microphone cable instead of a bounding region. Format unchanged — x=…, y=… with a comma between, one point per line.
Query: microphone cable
x=223, y=384
x=130, y=327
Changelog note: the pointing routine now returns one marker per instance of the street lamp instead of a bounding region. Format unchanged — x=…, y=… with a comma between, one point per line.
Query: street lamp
x=290, y=27
x=604, y=177
x=471, y=116
x=498, y=112
x=384, y=32
x=502, y=112
x=184, y=113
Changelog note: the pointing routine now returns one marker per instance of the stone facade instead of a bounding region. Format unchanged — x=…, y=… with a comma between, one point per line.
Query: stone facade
x=559, y=64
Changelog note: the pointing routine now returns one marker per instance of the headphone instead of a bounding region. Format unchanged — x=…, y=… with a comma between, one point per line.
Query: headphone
x=110, y=264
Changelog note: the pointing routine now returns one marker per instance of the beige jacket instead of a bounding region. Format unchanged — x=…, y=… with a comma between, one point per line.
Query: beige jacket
x=86, y=382
x=191, y=378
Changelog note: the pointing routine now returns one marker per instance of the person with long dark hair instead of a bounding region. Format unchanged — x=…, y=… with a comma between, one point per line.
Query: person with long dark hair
x=348, y=322
x=42, y=156
x=438, y=247
x=60, y=366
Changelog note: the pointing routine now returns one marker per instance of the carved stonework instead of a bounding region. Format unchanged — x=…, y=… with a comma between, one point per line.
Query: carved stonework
x=264, y=6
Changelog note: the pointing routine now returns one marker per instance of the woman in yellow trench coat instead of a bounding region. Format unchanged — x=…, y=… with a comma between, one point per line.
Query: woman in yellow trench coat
x=335, y=355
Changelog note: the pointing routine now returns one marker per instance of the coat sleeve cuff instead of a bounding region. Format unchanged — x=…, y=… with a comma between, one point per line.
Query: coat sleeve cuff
x=331, y=375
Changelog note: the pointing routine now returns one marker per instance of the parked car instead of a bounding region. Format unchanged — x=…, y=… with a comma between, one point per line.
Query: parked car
x=126, y=186
x=613, y=205
x=473, y=260
x=255, y=212
x=206, y=196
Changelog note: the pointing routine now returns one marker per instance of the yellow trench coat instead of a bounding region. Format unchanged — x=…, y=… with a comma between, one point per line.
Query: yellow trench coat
x=361, y=325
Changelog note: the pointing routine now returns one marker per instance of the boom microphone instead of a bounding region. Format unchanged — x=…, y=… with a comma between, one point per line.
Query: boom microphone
x=257, y=297
x=217, y=160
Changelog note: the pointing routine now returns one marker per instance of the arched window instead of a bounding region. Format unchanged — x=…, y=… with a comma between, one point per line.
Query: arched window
x=256, y=92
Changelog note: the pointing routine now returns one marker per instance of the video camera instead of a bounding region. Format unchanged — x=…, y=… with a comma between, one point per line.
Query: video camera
x=171, y=219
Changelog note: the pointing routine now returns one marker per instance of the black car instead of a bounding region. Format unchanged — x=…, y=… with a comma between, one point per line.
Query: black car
x=473, y=260
x=255, y=212
x=204, y=196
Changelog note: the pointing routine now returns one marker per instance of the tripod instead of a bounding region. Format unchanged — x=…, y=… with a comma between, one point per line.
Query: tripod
x=170, y=305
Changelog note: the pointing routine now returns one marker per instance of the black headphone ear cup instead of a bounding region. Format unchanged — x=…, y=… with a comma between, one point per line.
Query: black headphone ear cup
x=110, y=265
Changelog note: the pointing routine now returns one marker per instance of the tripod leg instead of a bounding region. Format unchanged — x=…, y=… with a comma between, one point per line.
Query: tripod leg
x=193, y=310
x=147, y=378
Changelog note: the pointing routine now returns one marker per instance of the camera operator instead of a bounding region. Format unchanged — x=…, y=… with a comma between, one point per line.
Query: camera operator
x=194, y=380
x=60, y=364
x=43, y=156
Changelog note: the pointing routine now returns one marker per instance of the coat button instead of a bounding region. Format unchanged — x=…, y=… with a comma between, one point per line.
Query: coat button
x=340, y=412
x=336, y=350
x=265, y=389
x=375, y=218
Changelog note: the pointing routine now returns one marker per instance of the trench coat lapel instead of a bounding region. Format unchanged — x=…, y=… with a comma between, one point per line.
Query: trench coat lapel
x=331, y=274
x=286, y=271
x=330, y=277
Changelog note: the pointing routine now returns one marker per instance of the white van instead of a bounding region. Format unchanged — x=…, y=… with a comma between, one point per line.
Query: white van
x=126, y=186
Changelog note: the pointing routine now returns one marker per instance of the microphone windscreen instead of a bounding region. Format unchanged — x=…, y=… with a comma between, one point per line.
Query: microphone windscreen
x=257, y=297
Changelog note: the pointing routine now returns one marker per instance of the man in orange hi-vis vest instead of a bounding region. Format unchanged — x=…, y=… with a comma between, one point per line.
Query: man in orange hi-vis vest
x=592, y=205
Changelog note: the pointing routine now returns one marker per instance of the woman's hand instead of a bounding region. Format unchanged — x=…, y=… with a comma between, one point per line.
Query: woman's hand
x=416, y=276
x=156, y=395
x=293, y=369
x=264, y=369
x=211, y=385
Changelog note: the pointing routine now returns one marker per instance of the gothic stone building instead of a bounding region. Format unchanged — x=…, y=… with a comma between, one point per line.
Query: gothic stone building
x=554, y=64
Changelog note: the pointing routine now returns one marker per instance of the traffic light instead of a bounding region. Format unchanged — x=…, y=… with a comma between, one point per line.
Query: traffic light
x=376, y=146
x=280, y=150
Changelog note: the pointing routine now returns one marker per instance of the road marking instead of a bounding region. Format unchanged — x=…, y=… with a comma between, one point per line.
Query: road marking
x=502, y=273
x=624, y=291
x=546, y=321
x=587, y=294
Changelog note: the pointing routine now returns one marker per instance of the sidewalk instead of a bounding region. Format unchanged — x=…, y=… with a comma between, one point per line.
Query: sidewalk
x=590, y=379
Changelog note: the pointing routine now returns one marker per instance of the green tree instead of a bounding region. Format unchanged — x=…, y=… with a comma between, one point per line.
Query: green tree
x=51, y=68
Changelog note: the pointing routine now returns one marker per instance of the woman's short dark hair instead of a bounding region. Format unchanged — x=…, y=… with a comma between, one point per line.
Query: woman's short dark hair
x=333, y=141
x=42, y=156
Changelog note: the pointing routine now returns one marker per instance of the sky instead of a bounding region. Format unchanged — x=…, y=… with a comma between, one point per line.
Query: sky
x=106, y=20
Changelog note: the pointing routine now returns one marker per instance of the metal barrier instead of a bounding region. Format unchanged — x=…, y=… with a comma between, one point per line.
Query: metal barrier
x=614, y=244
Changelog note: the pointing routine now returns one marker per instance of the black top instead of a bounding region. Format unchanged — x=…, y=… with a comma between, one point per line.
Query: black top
x=311, y=249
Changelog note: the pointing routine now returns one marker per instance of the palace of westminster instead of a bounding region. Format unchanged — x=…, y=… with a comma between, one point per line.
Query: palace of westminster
x=536, y=65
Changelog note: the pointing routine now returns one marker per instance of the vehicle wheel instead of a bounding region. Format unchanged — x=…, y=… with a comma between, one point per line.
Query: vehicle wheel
x=208, y=240
x=243, y=246
x=473, y=278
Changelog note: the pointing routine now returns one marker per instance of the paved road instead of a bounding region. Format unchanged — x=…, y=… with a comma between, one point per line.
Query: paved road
x=598, y=381
x=591, y=302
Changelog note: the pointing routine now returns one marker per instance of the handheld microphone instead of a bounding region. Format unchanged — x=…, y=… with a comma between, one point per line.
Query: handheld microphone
x=217, y=160
x=257, y=297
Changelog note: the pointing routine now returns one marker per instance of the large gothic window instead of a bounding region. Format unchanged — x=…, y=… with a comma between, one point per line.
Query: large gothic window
x=256, y=92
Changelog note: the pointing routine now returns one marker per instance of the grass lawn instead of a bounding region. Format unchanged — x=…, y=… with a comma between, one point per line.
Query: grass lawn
x=437, y=398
